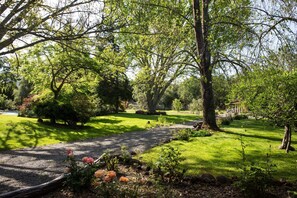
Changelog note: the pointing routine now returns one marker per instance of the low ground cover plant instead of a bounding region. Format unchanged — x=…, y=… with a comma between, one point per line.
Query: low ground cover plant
x=186, y=134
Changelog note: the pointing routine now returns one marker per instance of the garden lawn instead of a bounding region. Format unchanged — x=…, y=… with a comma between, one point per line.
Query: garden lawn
x=221, y=153
x=18, y=132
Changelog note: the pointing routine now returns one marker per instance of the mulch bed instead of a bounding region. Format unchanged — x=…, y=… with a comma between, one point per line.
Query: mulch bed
x=199, y=186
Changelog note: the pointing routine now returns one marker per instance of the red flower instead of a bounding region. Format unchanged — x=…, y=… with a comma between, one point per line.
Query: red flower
x=70, y=153
x=88, y=160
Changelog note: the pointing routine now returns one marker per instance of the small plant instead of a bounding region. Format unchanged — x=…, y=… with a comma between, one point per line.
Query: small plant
x=110, y=161
x=225, y=121
x=168, y=164
x=80, y=173
x=254, y=180
x=125, y=153
x=200, y=133
x=183, y=134
x=177, y=105
x=162, y=120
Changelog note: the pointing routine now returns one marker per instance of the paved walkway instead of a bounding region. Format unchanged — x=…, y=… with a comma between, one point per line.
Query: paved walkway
x=33, y=166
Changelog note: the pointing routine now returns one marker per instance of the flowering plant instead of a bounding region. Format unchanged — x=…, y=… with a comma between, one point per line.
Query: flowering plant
x=80, y=174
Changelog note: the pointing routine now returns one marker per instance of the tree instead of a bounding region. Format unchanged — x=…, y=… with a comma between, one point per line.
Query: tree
x=7, y=79
x=221, y=88
x=177, y=105
x=188, y=90
x=216, y=23
x=113, y=89
x=271, y=93
x=55, y=67
x=27, y=23
x=155, y=47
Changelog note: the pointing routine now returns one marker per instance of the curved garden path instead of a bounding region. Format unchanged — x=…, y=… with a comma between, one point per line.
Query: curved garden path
x=33, y=166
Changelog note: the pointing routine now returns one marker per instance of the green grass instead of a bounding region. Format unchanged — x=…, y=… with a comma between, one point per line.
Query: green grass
x=220, y=154
x=17, y=132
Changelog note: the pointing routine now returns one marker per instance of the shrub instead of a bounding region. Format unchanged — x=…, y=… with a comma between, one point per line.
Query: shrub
x=6, y=103
x=111, y=162
x=177, y=105
x=168, y=164
x=27, y=108
x=196, y=105
x=80, y=173
x=183, y=134
x=162, y=120
x=240, y=117
x=71, y=112
x=225, y=121
x=200, y=133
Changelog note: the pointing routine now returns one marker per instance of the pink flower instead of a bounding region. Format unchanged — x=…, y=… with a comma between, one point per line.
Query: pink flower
x=88, y=160
x=69, y=152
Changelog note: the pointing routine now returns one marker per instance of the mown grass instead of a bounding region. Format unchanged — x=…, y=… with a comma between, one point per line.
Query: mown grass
x=220, y=154
x=17, y=132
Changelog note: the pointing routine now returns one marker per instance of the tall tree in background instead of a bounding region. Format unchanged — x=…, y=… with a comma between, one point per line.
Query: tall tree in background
x=154, y=41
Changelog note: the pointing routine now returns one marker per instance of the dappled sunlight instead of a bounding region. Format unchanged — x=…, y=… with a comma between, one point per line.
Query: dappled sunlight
x=221, y=153
x=18, y=132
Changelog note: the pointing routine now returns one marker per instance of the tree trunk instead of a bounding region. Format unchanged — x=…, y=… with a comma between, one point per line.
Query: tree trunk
x=209, y=116
x=151, y=105
x=201, y=27
x=286, y=142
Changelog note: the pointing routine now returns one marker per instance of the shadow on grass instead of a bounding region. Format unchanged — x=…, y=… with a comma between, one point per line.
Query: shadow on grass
x=169, y=118
x=30, y=134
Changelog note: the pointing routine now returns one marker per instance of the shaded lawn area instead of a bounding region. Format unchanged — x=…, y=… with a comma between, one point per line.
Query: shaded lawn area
x=220, y=154
x=18, y=132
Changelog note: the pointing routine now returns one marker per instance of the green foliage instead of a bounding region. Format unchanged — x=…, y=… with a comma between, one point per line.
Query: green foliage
x=240, y=117
x=186, y=134
x=162, y=120
x=113, y=89
x=254, y=180
x=125, y=154
x=80, y=174
x=111, y=162
x=6, y=103
x=8, y=80
x=177, y=105
x=269, y=93
x=201, y=133
x=183, y=134
x=225, y=121
x=71, y=109
x=196, y=106
x=29, y=133
x=188, y=91
x=218, y=153
x=168, y=164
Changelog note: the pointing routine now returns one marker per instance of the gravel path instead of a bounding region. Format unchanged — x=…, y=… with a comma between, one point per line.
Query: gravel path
x=33, y=166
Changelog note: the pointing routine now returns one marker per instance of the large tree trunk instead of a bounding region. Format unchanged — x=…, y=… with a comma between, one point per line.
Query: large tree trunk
x=209, y=116
x=286, y=142
x=201, y=27
x=151, y=104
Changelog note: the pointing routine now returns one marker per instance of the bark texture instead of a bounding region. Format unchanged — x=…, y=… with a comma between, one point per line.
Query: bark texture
x=201, y=27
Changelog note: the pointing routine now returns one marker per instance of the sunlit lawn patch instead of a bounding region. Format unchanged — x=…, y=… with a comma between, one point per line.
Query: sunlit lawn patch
x=219, y=154
x=17, y=132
